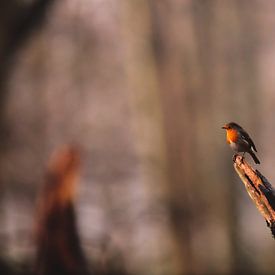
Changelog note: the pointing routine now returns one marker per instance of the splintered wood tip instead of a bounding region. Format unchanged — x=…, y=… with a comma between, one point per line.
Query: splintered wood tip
x=63, y=160
x=258, y=188
x=61, y=176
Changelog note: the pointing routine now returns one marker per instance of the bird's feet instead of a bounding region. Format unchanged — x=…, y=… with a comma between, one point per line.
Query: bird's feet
x=235, y=157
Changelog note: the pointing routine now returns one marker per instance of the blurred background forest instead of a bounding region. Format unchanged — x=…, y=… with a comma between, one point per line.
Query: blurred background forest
x=142, y=88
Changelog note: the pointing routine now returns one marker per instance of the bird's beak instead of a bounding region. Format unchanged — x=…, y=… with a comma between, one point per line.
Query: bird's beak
x=224, y=127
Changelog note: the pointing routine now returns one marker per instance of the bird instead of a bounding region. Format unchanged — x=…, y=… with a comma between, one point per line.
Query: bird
x=239, y=140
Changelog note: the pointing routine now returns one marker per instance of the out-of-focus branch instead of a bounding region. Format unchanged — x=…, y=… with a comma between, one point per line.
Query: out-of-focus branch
x=26, y=19
x=58, y=245
x=259, y=190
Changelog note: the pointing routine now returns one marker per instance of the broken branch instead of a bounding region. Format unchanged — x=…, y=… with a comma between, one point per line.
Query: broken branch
x=259, y=190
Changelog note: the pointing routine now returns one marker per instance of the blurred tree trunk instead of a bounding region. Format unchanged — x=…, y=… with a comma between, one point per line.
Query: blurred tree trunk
x=59, y=249
x=195, y=42
x=18, y=21
x=17, y=24
x=176, y=59
x=143, y=84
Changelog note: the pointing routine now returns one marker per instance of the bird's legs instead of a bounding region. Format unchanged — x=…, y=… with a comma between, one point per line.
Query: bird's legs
x=243, y=156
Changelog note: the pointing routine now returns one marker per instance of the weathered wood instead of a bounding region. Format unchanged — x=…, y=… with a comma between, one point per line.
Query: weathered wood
x=259, y=190
x=58, y=244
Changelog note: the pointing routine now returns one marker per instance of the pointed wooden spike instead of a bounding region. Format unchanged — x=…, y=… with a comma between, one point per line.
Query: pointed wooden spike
x=58, y=244
x=263, y=197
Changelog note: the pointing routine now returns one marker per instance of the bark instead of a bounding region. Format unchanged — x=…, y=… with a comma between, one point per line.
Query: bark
x=59, y=250
x=259, y=190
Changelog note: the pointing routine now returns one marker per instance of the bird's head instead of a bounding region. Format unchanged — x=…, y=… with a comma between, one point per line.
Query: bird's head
x=231, y=125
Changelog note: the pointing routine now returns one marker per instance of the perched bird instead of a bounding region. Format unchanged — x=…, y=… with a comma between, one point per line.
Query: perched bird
x=239, y=140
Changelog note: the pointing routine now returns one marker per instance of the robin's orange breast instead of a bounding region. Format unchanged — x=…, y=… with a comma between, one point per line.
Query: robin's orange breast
x=231, y=135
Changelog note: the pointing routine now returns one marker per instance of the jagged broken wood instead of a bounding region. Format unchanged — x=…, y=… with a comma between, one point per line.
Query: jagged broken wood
x=259, y=190
x=59, y=249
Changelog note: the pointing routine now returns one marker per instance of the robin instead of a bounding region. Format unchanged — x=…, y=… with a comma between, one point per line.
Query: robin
x=239, y=140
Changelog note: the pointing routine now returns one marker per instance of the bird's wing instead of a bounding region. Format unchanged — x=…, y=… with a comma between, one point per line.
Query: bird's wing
x=249, y=140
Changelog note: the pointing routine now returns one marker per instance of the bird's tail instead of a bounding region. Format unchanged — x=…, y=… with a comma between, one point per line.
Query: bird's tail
x=254, y=157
